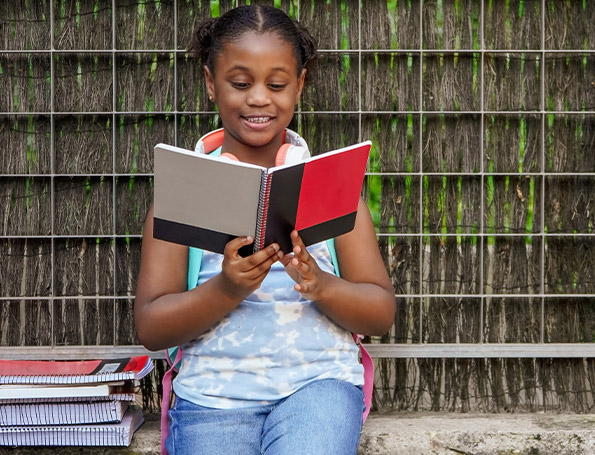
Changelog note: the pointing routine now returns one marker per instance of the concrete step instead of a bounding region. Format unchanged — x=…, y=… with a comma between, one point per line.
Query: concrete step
x=478, y=434
x=416, y=434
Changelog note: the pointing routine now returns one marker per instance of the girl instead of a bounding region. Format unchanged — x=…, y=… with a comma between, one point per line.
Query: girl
x=269, y=363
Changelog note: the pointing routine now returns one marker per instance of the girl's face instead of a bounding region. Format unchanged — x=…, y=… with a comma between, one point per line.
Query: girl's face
x=256, y=87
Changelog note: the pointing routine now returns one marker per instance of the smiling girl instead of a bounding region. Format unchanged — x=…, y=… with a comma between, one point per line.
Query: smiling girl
x=269, y=364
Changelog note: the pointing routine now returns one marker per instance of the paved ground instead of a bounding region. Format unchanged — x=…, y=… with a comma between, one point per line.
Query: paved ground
x=419, y=433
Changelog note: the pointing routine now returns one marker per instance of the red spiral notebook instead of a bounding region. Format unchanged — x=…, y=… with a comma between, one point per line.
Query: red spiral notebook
x=73, y=371
x=205, y=201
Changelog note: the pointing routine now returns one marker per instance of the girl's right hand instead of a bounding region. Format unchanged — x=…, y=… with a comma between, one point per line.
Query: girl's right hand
x=241, y=276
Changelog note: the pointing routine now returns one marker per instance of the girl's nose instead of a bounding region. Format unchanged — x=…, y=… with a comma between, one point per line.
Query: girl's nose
x=258, y=95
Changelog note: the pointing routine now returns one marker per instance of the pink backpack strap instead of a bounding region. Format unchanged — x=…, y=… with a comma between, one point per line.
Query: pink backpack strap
x=366, y=359
x=166, y=400
x=368, y=365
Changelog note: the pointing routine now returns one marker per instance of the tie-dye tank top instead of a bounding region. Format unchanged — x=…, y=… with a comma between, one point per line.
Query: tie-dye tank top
x=272, y=344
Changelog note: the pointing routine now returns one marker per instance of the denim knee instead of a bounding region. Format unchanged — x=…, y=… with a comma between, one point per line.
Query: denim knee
x=324, y=417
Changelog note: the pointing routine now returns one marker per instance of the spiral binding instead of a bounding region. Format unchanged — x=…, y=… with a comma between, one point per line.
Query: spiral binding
x=263, y=207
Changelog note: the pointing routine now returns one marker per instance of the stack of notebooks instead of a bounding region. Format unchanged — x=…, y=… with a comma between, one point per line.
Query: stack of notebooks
x=70, y=403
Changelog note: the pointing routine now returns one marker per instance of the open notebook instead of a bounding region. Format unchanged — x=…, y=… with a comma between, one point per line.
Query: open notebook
x=205, y=201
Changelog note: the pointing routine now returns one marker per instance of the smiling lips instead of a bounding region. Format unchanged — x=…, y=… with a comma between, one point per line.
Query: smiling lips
x=258, y=119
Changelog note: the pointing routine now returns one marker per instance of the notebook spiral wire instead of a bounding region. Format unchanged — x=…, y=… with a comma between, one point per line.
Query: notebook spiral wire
x=263, y=206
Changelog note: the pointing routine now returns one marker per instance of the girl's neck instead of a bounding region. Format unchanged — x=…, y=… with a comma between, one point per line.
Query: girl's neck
x=260, y=155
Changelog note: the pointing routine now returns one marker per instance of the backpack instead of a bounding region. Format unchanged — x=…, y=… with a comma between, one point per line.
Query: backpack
x=294, y=149
x=174, y=355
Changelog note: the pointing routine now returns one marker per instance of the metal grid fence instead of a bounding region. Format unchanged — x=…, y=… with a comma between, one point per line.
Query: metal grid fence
x=49, y=184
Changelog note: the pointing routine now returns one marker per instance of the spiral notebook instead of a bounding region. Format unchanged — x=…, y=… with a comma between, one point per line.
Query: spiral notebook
x=63, y=413
x=102, y=434
x=205, y=201
x=74, y=371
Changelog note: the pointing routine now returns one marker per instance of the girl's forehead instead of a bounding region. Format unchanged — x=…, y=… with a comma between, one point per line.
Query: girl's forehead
x=257, y=47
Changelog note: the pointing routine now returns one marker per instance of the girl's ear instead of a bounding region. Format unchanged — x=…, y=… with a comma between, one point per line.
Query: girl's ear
x=300, y=85
x=210, y=81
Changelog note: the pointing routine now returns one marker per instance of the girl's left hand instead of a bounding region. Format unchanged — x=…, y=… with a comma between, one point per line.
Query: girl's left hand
x=304, y=270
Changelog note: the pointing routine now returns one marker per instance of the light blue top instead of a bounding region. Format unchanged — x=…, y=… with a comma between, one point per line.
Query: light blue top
x=272, y=344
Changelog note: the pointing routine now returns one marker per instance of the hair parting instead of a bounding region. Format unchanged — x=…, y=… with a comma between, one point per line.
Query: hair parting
x=211, y=35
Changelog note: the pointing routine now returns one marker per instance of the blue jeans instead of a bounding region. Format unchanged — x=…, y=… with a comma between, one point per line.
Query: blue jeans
x=324, y=417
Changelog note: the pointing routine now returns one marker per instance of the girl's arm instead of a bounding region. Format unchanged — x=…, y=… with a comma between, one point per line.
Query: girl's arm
x=166, y=314
x=363, y=299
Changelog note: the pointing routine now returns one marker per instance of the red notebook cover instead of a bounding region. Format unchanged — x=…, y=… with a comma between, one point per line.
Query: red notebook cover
x=319, y=197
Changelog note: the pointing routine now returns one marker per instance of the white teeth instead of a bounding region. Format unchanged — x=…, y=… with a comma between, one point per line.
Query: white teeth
x=258, y=119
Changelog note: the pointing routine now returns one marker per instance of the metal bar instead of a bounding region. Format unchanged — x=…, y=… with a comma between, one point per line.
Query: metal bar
x=378, y=351
x=114, y=167
x=489, y=234
x=81, y=236
x=52, y=175
x=74, y=352
x=175, y=106
x=480, y=174
x=378, y=234
x=111, y=174
x=405, y=295
x=543, y=176
x=420, y=259
x=482, y=350
x=359, y=73
x=66, y=297
x=368, y=173
x=321, y=51
x=482, y=283
x=330, y=112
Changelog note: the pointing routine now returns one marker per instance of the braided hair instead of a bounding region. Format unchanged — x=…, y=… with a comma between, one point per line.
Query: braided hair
x=211, y=35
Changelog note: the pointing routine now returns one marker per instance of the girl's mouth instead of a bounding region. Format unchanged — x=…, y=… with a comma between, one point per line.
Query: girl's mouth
x=258, y=120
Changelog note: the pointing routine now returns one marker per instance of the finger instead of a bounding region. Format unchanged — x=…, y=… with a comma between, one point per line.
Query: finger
x=300, y=265
x=273, y=250
x=286, y=259
x=299, y=249
x=259, y=273
x=302, y=254
x=234, y=245
x=262, y=261
x=296, y=240
x=301, y=288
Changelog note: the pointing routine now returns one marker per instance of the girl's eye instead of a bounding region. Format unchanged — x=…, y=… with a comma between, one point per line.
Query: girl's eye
x=277, y=86
x=240, y=85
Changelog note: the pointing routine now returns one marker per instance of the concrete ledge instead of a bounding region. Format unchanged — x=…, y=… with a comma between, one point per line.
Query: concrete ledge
x=478, y=434
x=416, y=434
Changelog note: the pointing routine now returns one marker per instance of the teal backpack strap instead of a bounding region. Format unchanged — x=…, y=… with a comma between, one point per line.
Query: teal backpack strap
x=174, y=355
x=330, y=244
x=194, y=262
